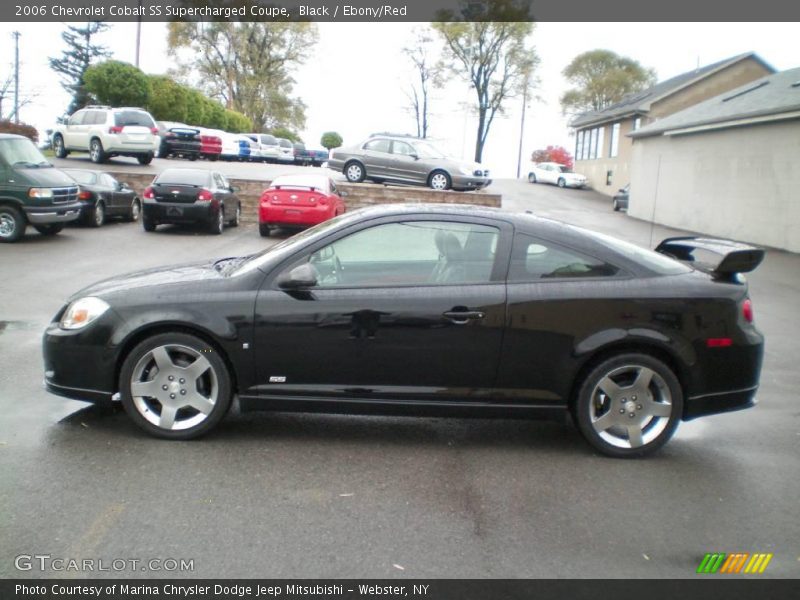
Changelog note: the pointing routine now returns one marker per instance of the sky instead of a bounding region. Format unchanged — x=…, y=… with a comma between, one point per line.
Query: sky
x=354, y=80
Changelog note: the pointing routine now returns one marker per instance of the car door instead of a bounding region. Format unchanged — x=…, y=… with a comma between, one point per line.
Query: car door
x=108, y=187
x=405, y=164
x=404, y=309
x=73, y=132
x=378, y=158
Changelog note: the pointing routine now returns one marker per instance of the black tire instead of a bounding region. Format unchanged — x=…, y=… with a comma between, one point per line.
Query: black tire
x=213, y=157
x=630, y=406
x=145, y=159
x=212, y=389
x=440, y=176
x=355, y=172
x=135, y=211
x=48, y=230
x=12, y=223
x=615, y=205
x=532, y=178
x=264, y=229
x=148, y=225
x=562, y=182
x=192, y=157
x=217, y=224
x=97, y=216
x=237, y=217
x=59, y=149
x=96, y=152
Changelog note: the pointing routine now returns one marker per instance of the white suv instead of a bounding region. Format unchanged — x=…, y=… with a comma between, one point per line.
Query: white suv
x=104, y=132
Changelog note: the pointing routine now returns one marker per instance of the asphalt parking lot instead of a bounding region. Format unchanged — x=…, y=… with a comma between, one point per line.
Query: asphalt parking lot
x=284, y=495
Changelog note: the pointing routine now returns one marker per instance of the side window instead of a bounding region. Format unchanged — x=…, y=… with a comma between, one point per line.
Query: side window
x=409, y=253
x=77, y=118
x=380, y=145
x=108, y=181
x=534, y=260
x=219, y=182
x=402, y=148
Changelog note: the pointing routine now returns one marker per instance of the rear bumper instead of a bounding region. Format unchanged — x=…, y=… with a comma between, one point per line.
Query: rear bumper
x=44, y=215
x=719, y=403
x=175, y=212
x=291, y=215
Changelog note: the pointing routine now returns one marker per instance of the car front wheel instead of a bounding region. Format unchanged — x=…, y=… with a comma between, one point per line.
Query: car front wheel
x=175, y=386
x=531, y=177
x=615, y=205
x=12, y=224
x=439, y=181
x=355, y=172
x=562, y=182
x=629, y=405
x=58, y=147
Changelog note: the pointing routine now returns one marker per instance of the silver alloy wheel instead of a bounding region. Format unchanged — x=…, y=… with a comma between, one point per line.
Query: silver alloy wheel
x=94, y=151
x=58, y=146
x=8, y=224
x=135, y=210
x=630, y=407
x=439, y=181
x=99, y=214
x=354, y=173
x=237, y=216
x=220, y=221
x=562, y=183
x=174, y=387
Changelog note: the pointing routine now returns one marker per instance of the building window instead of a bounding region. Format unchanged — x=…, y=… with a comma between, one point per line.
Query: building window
x=592, y=144
x=614, y=149
x=578, y=145
x=600, y=134
x=637, y=123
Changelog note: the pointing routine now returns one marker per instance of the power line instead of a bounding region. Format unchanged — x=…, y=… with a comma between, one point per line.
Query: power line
x=16, y=35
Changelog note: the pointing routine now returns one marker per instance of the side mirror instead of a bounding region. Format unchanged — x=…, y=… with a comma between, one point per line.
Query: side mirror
x=302, y=276
x=414, y=156
x=235, y=188
x=621, y=190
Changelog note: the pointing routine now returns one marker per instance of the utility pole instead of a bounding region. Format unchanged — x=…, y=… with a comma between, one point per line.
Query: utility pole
x=522, y=126
x=138, y=33
x=16, y=35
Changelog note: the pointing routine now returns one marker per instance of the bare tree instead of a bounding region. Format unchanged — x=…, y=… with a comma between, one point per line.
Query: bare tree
x=426, y=74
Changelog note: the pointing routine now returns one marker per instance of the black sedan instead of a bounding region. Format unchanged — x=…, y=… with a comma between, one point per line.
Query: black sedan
x=425, y=310
x=191, y=196
x=103, y=197
x=178, y=140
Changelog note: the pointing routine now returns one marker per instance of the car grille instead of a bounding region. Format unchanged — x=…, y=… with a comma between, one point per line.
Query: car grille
x=64, y=195
x=479, y=173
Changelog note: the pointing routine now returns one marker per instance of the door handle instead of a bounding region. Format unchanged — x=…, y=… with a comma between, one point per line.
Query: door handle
x=461, y=317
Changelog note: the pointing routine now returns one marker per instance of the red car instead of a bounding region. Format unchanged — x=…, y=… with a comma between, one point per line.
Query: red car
x=298, y=201
x=210, y=145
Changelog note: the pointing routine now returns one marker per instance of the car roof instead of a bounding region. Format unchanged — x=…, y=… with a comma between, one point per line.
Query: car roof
x=12, y=136
x=302, y=180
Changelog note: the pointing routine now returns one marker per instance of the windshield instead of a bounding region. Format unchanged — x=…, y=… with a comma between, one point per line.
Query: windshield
x=84, y=177
x=564, y=169
x=20, y=152
x=428, y=150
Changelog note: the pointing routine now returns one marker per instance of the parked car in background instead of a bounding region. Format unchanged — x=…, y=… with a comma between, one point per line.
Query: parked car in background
x=190, y=196
x=32, y=191
x=235, y=147
x=298, y=201
x=265, y=147
x=210, y=144
x=306, y=157
x=105, y=132
x=178, y=139
x=286, y=151
x=620, y=199
x=558, y=174
x=408, y=160
x=423, y=310
x=103, y=197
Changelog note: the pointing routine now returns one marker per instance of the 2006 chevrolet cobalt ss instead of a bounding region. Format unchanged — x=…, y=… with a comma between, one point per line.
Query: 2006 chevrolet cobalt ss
x=415, y=309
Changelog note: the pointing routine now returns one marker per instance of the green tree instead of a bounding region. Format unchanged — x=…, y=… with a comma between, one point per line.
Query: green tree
x=601, y=78
x=490, y=52
x=169, y=100
x=236, y=122
x=80, y=53
x=286, y=133
x=117, y=84
x=195, y=107
x=214, y=114
x=330, y=140
x=248, y=65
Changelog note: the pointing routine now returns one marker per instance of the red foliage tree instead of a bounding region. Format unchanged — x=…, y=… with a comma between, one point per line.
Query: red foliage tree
x=556, y=154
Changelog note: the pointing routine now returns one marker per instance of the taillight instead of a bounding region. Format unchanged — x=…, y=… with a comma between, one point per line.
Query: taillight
x=84, y=195
x=115, y=129
x=747, y=310
x=154, y=130
x=148, y=193
x=205, y=196
x=323, y=201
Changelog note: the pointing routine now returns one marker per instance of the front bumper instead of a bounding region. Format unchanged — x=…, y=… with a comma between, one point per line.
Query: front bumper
x=56, y=213
x=178, y=213
x=462, y=182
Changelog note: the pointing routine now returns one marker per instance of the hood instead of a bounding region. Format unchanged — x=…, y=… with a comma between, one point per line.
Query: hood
x=45, y=177
x=161, y=278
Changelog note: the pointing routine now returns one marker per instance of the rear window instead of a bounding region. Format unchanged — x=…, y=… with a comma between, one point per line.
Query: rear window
x=185, y=177
x=84, y=177
x=285, y=143
x=126, y=118
x=269, y=140
x=663, y=265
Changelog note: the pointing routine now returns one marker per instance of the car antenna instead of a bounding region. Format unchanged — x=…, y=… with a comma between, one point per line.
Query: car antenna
x=655, y=201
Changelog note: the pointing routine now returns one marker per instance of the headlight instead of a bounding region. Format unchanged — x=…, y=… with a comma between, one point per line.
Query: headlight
x=82, y=312
x=465, y=171
x=40, y=193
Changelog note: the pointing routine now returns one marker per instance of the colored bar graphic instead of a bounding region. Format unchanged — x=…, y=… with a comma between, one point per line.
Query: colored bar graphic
x=721, y=562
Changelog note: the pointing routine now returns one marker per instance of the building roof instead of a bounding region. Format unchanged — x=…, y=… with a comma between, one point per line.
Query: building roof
x=640, y=102
x=770, y=98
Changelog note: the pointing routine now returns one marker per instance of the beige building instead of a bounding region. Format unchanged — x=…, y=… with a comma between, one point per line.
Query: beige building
x=603, y=148
x=727, y=167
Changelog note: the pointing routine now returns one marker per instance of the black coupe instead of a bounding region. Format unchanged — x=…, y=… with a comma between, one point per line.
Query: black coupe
x=103, y=197
x=424, y=310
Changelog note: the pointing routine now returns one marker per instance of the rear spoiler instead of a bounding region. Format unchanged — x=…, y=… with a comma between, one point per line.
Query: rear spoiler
x=715, y=256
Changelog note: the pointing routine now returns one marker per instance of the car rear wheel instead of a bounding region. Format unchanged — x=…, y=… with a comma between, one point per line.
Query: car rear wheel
x=629, y=405
x=58, y=147
x=149, y=224
x=175, y=386
x=218, y=223
x=264, y=229
x=532, y=178
x=136, y=210
x=12, y=224
x=49, y=230
x=96, y=152
x=98, y=215
x=355, y=172
x=145, y=159
x=562, y=183
x=439, y=180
